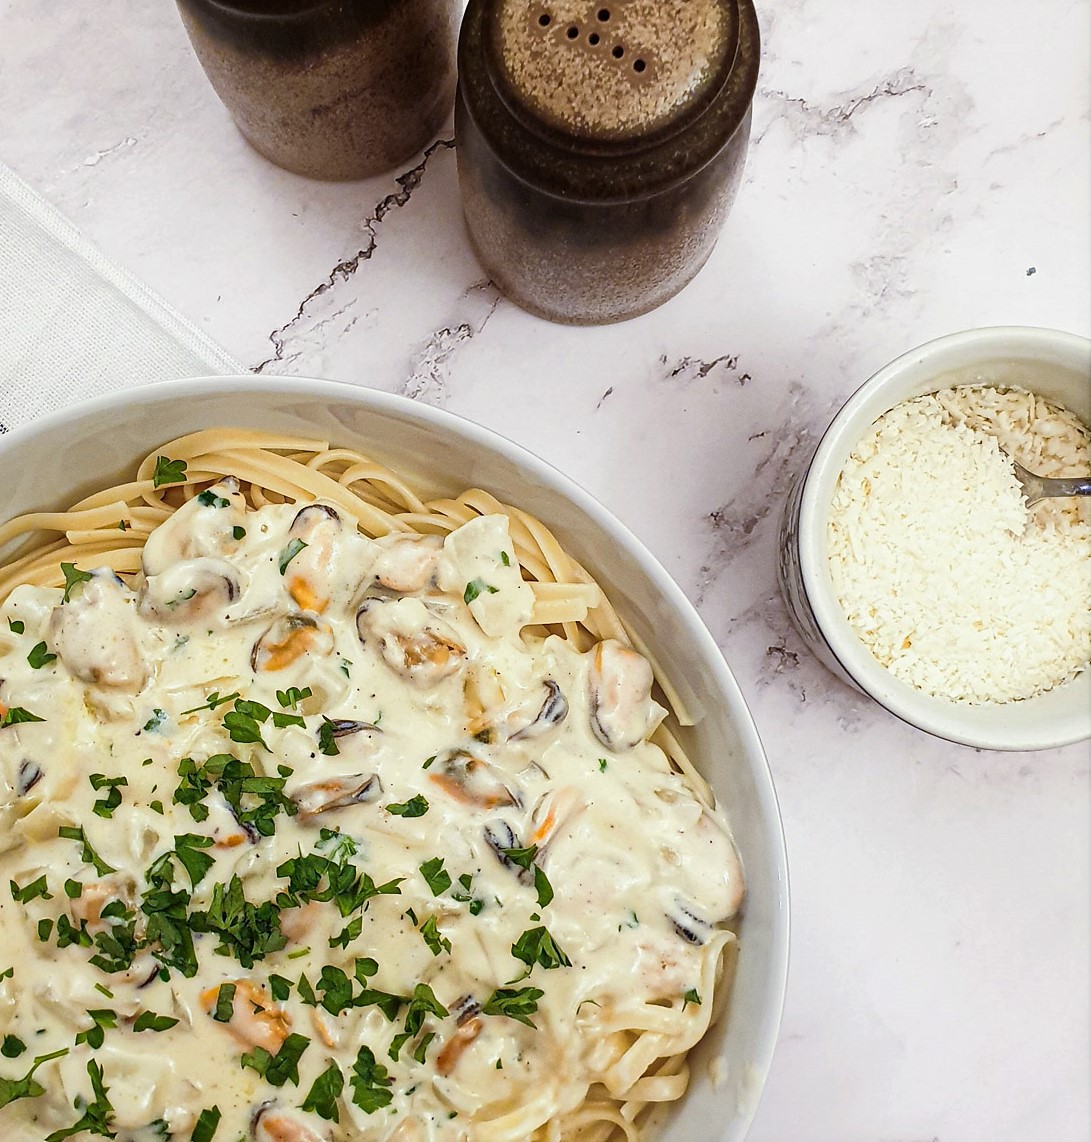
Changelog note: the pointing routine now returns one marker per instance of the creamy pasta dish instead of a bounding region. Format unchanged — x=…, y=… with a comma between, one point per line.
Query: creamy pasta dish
x=327, y=813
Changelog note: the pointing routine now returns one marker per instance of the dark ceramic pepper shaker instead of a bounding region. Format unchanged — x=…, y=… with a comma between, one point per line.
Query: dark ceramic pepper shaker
x=333, y=89
x=600, y=146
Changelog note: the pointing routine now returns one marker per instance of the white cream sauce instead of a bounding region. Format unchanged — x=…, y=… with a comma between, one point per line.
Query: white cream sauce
x=422, y=690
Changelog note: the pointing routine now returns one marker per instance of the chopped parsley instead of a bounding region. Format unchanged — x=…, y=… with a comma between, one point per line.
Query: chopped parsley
x=282, y=1067
x=247, y=931
x=474, y=589
x=12, y=1047
x=291, y=697
x=207, y=1123
x=691, y=996
x=73, y=576
x=214, y=700
x=11, y=1090
x=168, y=471
x=515, y=1004
x=31, y=891
x=225, y=1003
x=325, y=1090
x=537, y=946
x=415, y=807
x=87, y=854
x=211, y=500
x=95, y=1035
x=40, y=656
x=423, y=1003
x=97, y=1114
x=16, y=626
x=437, y=877
x=370, y=1082
x=149, y=1021
x=431, y=935
x=289, y=553
x=105, y=806
x=15, y=714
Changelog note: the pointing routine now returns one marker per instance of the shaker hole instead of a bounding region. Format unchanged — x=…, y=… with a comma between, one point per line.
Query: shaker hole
x=573, y=32
x=618, y=52
x=593, y=38
x=639, y=65
x=544, y=20
x=604, y=14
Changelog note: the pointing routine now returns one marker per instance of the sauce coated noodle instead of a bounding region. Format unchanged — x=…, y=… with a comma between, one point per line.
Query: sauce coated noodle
x=333, y=814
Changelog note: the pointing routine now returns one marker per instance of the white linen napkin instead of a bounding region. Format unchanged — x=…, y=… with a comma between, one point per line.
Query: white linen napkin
x=72, y=325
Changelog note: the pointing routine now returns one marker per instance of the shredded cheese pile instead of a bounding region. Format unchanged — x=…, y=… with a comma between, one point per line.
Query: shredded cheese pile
x=945, y=574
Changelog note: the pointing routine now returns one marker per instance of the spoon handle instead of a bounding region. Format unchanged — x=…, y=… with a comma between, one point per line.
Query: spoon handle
x=1043, y=487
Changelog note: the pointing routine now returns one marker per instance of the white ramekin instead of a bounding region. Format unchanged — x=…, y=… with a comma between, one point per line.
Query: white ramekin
x=1055, y=364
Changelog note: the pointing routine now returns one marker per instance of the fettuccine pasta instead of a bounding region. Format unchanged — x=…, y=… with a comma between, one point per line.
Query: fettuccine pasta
x=331, y=813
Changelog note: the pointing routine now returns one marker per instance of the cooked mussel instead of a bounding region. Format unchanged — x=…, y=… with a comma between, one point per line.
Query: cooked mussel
x=309, y=575
x=470, y=780
x=289, y=639
x=336, y=793
x=411, y=640
x=205, y=525
x=619, y=695
x=94, y=634
x=195, y=590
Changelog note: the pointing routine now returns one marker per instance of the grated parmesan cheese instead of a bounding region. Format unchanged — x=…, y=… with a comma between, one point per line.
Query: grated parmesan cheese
x=949, y=579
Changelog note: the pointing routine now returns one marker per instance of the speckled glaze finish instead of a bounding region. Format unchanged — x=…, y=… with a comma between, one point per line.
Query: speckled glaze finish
x=600, y=147
x=331, y=89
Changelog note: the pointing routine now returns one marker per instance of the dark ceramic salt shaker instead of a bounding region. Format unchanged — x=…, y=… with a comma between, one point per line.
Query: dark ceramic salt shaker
x=600, y=146
x=332, y=89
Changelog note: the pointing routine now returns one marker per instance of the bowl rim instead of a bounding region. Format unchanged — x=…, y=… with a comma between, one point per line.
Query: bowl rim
x=765, y=1036
x=936, y=716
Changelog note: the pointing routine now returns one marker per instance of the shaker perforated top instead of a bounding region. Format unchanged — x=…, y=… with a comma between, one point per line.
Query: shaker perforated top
x=617, y=70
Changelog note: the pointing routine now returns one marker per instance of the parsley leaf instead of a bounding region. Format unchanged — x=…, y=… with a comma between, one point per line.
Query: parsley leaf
x=415, y=807
x=106, y=806
x=537, y=946
x=31, y=892
x=149, y=1021
x=370, y=1082
x=12, y=1047
x=691, y=996
x=12, y=1090
x=168, y=471
x=97, y=1114
x=291, y=697
x=225, y=1003
x=16, y=626
x=88, y=854
x=289, y=553
x=72, y=576
x=214, y=700
x=40, y=656
x=325, y=1090
x=16, y=714
x=438, y=878
x=474, y=589
x=207, y=1124
x=327, y=737
x=283, y=1066
x=95, y=1035
x=210, y=500
x=519, y=1005
x=436, y=942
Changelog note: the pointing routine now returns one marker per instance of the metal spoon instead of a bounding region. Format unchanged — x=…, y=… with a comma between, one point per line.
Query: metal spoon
x=1037, y=488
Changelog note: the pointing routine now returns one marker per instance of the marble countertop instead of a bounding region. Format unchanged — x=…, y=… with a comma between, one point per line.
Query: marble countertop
x=915, y=169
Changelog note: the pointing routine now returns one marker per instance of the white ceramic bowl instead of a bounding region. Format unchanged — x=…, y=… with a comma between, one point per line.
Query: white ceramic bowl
x=1055, y=364
x=50, y=463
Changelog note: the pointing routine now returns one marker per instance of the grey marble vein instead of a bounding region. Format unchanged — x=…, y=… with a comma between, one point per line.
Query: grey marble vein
x=408, y=183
